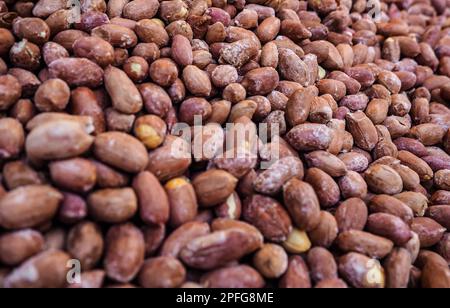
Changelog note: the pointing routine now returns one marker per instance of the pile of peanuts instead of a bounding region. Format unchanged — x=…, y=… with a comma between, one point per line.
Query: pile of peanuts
x=355, y=97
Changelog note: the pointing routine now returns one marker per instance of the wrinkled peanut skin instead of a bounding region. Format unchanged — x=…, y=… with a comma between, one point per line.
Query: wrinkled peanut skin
x=41, y=207
x=271, y=180
x=76, y=72
x=183, y=235
x=162, y=272
x=124, y=267
x=18, y=246
x=76, y=174
x=351, y=215
x=397, y=266
x=63, y=139
x=389, y=226
x=10, y=91
x=302, y=203
x=241, y=276
x=322, y=264
x=355, y=269
x=85, y=242
x=214, y=187
x=154, y=203
x=112, y=205
x=125, y=96
x=297, y=274
x=224, y=144
x=13, y=138
x=230, y=245
x=268, y=216
x=366, y=243
x=182, y=200
x=121, y=150
x=49, y=267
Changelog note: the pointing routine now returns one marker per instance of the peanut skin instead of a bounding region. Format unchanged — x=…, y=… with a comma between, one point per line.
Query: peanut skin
x=224, y=144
